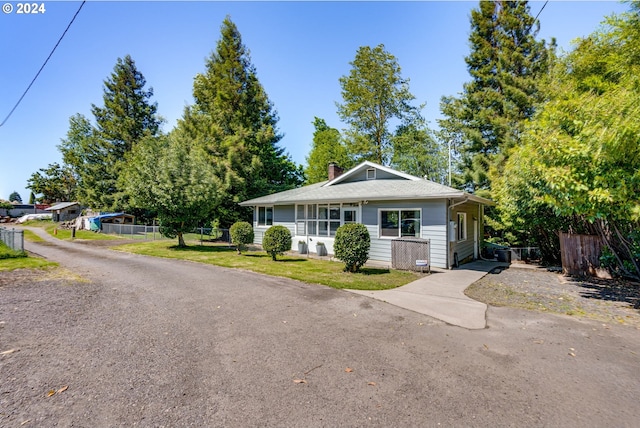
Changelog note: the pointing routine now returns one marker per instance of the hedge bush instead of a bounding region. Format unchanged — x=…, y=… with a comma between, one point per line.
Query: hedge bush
x=352, y=245
x=276, y=240
x=241, y=235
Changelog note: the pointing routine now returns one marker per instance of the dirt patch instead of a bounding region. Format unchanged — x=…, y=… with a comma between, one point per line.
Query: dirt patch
x=609, y=301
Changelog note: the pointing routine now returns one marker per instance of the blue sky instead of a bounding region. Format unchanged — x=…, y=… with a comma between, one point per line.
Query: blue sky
x=300, y=50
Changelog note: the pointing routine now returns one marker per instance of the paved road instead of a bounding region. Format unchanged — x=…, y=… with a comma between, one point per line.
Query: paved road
x=155, y=342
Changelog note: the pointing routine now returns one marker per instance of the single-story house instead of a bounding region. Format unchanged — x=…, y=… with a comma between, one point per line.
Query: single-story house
x=64, y=211
x=390, y=203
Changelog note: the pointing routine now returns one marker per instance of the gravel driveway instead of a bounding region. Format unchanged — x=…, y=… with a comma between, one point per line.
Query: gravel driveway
x=126, y=340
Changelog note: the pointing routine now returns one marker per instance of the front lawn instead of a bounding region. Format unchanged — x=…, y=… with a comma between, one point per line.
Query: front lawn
x=294, y=267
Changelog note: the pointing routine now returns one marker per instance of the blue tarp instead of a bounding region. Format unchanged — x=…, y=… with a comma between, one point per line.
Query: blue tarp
x=94, y=222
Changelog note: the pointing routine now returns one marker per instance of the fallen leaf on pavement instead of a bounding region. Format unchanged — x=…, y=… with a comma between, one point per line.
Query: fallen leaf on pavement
x=10, y=351
x=348, y=370
x=63, y=389
x=299, y=381
x=51, y=393
x=371, y=384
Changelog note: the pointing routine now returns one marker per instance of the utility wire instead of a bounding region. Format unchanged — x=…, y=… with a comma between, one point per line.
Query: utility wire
x=41, y=68
x=541, y=9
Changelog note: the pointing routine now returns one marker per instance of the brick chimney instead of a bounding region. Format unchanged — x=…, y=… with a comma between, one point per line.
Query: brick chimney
x=334, y=171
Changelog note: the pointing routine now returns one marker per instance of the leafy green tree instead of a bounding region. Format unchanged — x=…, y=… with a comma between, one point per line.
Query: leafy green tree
x=506, y=63
x=15, y=197
x=5, y=205
x=374, y=94
x=327, y=148
x=241, y=235
x=276, y=240
x=235, y=122
x=172, y=177
x=352, y=245
x=54, y=183
x=416, y=151
x=32, y=198
x=582, y=150
x=97, y=153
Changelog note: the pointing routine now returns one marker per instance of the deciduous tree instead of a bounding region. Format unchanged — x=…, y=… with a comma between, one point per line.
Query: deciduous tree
x=55, y=183
x=374, y=94
x=172, y=177
x=327, y=148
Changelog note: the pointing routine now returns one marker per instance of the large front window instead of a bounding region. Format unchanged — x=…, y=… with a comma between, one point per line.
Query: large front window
x=265, y=216
x=400, y=222
x=323, y=219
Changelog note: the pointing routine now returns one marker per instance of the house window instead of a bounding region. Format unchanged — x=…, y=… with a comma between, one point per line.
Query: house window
x=462, y=226
x=371, y=174
x=323, y=219
x=400, y=222
x=265, y=216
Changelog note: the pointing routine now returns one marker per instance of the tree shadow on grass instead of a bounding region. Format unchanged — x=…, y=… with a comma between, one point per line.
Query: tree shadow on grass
x=373, y=271
x=204, y=248
x=267, y=256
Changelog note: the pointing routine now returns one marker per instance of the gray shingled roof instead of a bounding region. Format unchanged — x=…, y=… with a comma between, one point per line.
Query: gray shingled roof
x=371, y=190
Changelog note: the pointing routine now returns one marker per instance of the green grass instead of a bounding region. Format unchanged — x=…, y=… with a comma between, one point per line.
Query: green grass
x=25, y=263
x=65, y=234
x=31, y=237
x=303, y=269
x=11, y=260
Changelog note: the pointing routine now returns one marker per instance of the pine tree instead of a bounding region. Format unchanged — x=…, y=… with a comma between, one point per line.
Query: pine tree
x=15, y=197
x=235, y=122
x=97, y=154
x=505, y=64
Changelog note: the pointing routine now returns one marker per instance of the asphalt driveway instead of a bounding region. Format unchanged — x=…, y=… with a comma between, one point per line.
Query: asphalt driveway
x=154, y=342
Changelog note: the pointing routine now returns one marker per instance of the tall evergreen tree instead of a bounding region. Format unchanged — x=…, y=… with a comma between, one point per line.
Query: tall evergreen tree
x=98, y=153
x=15, y=197
x=374, y=93
x=235, y=122
x=327, y=148
x=505, y=64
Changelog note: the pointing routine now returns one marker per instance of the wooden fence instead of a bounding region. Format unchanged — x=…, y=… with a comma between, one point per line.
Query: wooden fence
x=580, y=255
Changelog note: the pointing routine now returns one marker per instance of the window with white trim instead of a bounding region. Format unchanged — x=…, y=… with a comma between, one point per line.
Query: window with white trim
x=462, y=226
x=371, y=174
x=324, y=219
x=265, y=216
x=395, y=223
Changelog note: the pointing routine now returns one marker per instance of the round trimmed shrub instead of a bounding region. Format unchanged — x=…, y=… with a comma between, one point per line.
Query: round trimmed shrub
x=352, y=246
x=276, y=240
x=241, y=235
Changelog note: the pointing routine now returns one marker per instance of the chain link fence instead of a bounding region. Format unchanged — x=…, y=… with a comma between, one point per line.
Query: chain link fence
x=12, y=238
x=152, y=233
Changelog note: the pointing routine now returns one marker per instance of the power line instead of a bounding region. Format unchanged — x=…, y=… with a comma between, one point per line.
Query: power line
x=43, y=65
x=541, y=9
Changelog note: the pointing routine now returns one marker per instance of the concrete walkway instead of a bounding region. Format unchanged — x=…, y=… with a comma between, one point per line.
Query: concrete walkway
x=441, y=295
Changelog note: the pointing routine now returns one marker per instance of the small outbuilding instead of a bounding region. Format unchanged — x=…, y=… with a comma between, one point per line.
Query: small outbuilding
x=64, y=211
